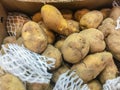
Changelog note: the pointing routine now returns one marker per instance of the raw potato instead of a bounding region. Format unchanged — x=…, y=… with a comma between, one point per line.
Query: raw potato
x=53, y=52
x=105, y=12
x=67, y=14
x=75, y=48
x=79, y=13
x=115, y=13
x=110, y=72
x=10, y=82
x=19, y=41
x=94, y=85
x=37, y=86
x=107, y=27
x=95, y=38
x=91, y=19
x=37, y=17
x=50, y=35
x=92, y=65
x=9, y=39
x=34, y=37
x=59, y=44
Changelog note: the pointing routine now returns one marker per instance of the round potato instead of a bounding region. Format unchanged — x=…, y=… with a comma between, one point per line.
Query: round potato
x=34, y=37
x=91, y=19
x=9, y=39
x=75, y=48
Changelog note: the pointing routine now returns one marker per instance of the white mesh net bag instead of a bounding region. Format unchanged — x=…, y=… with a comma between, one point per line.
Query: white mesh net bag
x=25, y=64
x=70, y=81
x=118, y=23
x=113, y=84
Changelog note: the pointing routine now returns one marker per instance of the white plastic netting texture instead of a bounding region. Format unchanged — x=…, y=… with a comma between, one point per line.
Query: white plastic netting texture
x=70, y=81
x=113, y=84
x=25, y=64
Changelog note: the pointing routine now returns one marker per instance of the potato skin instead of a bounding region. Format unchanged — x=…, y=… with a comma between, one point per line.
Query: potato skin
x=92, y=65
x=74, y=48
x=91, y=19
x=94, y=85
x=95, y=39
x=53, y=52
x=33, y=37
x=37, y=17
x=9, y=39
x=59, y=44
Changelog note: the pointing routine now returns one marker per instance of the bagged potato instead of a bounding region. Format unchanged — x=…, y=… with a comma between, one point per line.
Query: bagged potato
x=34, y=37
x=9, y=39
x=59, y=43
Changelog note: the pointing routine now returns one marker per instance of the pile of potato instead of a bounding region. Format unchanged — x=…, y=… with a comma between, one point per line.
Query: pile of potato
x=84, y=40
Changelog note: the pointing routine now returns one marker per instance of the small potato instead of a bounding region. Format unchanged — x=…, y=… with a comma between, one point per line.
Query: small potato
x=105, y=12
x=75, y=48
x=50, y=35
x=94, y=85
x=10, y=82
x=9, y=39
x=53, y=52
x=110, y=72
x=92, y=65
x=95, y=39
x=91, y=19
x=37, y=17
x=59, y=44
x=79, y=13
x=34, y=37
x=115, y=13
x=67, y=14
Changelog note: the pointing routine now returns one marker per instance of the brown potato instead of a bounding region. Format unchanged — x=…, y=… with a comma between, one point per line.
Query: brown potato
x=53, y=52
x=105, y=12
x=75, y=48
x=67, y=14
x=92, y=65
x=95, y=85
x=59, y=44
x=37, y=17
x=79, y=13
x=19, y=41
x=34, y=37
x=95, y=39
x=50, y=35
x=91, y=19
x=9, y=39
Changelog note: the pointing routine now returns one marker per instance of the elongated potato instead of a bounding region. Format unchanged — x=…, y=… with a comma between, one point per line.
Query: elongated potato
x=91, y=19
x=95, y=38
x=75, y=48
x=34, y=37
x=92, y=65
x=53, y=52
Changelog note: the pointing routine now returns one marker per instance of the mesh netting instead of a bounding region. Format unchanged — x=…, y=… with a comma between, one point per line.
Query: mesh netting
x=70, y=81
x=116, y=3
x=15, y=22
x=113, y=84
x=27, y=65
x=118, y=23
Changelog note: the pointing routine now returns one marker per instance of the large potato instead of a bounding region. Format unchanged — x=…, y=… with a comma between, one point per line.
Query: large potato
x=75, y=48
x=34, y=37
x=92, y=65
x=95, y=38
x=10, y=82
x=53, y=52
x=91, y=19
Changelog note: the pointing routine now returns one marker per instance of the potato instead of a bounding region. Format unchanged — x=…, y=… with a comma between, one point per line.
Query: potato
x=59, y=44
x=67, y=14
x=75, y=48
x=94, y=85
x=37, y=86
x=53, y=52
x=110, y=72
x=79, y=13
x=91, y=19
x=95, y=38
x=10, y=82
x=115, y=13
x=19, y=41
x=92, y=65
x=107, y=27
x=37, y=17
x=9, y=39
x=113, y=44
x=105, y=12
x=50, y=35
x=58, y=72
x=34, y=37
